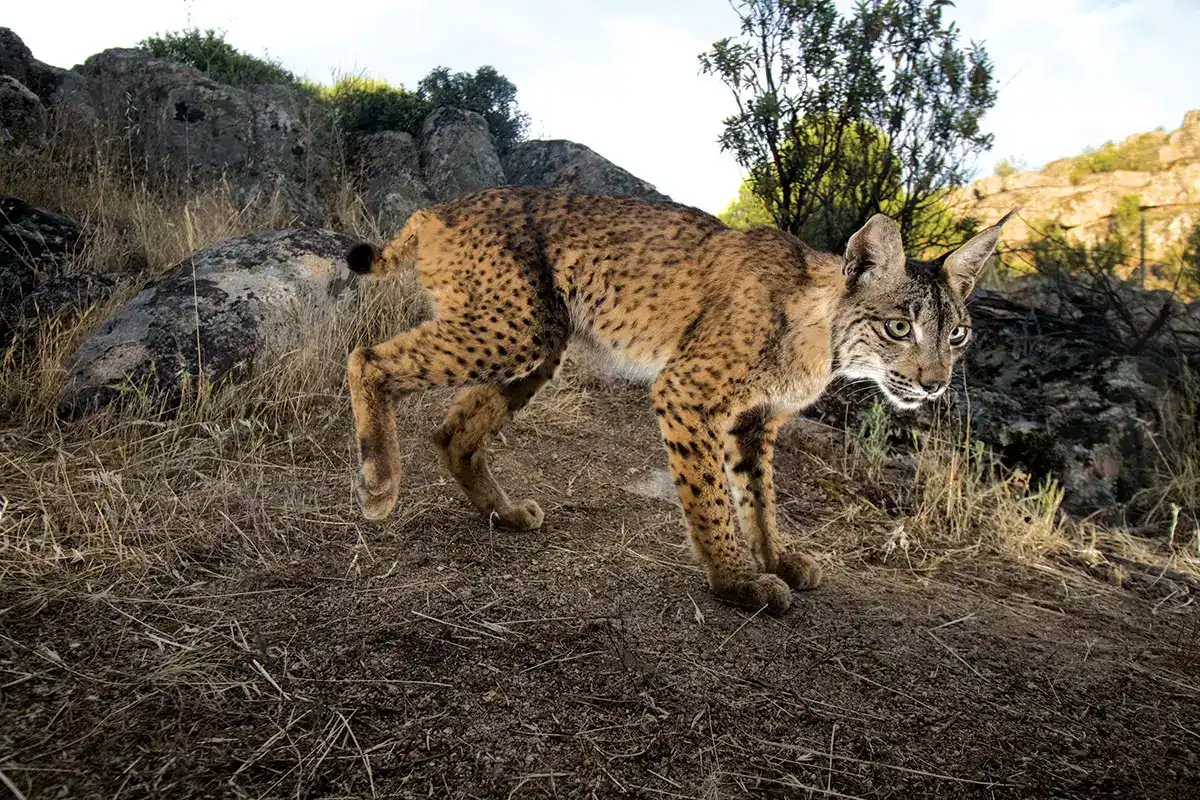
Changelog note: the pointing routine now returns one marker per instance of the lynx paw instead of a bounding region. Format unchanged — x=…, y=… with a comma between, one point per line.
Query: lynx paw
x=378, y=503
x=798, y=571
x=523, y=516
x=755, y=592
x=378, y=480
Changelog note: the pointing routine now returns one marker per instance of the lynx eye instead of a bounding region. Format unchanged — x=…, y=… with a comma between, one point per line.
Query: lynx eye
x=898, y=329
x=959, y=335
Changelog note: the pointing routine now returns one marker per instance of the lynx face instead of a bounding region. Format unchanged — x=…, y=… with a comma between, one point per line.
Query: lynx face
x=901, y=323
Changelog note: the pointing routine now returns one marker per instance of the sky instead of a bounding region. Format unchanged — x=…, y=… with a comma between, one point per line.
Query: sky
x=622, y=77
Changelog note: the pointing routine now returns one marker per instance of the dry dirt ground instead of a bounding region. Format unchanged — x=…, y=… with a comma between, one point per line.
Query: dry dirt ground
x=298, y=651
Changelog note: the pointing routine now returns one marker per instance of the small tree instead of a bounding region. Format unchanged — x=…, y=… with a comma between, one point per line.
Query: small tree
x=747, y=210
x=485, y=92
x=840, y=117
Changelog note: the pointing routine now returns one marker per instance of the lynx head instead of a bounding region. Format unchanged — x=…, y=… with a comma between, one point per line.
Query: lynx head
x=902, y=322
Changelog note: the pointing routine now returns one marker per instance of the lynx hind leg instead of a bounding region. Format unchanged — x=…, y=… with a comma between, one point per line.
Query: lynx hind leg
x=440, y=352
x=476, y=416
x=750, y=470
x=692, y=435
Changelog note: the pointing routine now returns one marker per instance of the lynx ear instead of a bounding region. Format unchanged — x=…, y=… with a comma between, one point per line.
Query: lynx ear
x=962, y=266
x=875, y=245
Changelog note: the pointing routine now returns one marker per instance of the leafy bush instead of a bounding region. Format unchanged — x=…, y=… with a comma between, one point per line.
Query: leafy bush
x=747, y=210
x=934, y=226
x=1137, y=153
x=1127, y=212
x=367, y=105
x=1009, y=166
x=1190, y=261
x=208, y=52
x=487, y=93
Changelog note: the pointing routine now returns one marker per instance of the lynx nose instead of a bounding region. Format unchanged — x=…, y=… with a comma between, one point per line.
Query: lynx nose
x=933, y=387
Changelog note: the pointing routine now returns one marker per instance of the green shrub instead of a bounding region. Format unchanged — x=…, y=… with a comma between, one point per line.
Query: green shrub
x=362, y=104
x=1008, y=166
x=1190, y=262
x=208, y=52
x=367, y=105
x=1127, y=212
x=486, y=92
x=1137, y=153
x=747, y=210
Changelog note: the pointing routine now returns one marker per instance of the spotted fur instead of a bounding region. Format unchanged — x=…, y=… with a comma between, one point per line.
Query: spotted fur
x=737, y=329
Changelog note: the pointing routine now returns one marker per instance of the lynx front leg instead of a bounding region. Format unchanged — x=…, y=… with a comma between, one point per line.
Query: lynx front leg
x=749, y=451
x=692, y=431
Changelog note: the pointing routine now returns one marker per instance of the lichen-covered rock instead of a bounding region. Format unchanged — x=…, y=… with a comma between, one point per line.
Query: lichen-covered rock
x=184, y=129
x=22, y=115
x=204, y=320
x=1054, y=405
x=1048, y=397
x=458, y=154
x=560, y=164
x=389, y=169
x=36, y=245
x=18, y=62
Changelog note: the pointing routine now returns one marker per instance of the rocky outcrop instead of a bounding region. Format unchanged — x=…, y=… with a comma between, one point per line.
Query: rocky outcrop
x=203, y=321
x=185, y=130
x=559, y=164
x=36, y=246
x=18, y=62
x=389, y=168
x=1088, y=205
x=22, y=114
x=1056, y=384
x=1049, y=399
x=458, y=154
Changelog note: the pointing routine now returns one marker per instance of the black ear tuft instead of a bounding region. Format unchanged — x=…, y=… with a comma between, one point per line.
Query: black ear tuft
x=360, y=257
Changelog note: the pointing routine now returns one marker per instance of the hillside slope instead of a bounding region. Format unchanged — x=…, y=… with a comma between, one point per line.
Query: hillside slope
x=1156, y=174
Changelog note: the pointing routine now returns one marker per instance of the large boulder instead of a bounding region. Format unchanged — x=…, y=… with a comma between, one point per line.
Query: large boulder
x=389, y=169
x=22, y=114
x=36, y=246
x=560, y=164
x=18, y=62
x=205, y=318
x=458, y=154
x=1047, y=399
x=183, y=129
x=1055, y=393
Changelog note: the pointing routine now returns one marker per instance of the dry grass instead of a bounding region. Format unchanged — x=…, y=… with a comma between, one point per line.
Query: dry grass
x=1176, y=493
x=124, y=489
x=114, y=488
x=948, y=502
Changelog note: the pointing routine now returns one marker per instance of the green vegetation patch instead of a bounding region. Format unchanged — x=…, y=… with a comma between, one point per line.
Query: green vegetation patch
x=361, y=104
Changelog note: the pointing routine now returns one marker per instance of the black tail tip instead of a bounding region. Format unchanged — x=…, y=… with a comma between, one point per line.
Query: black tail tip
x=360, y=257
